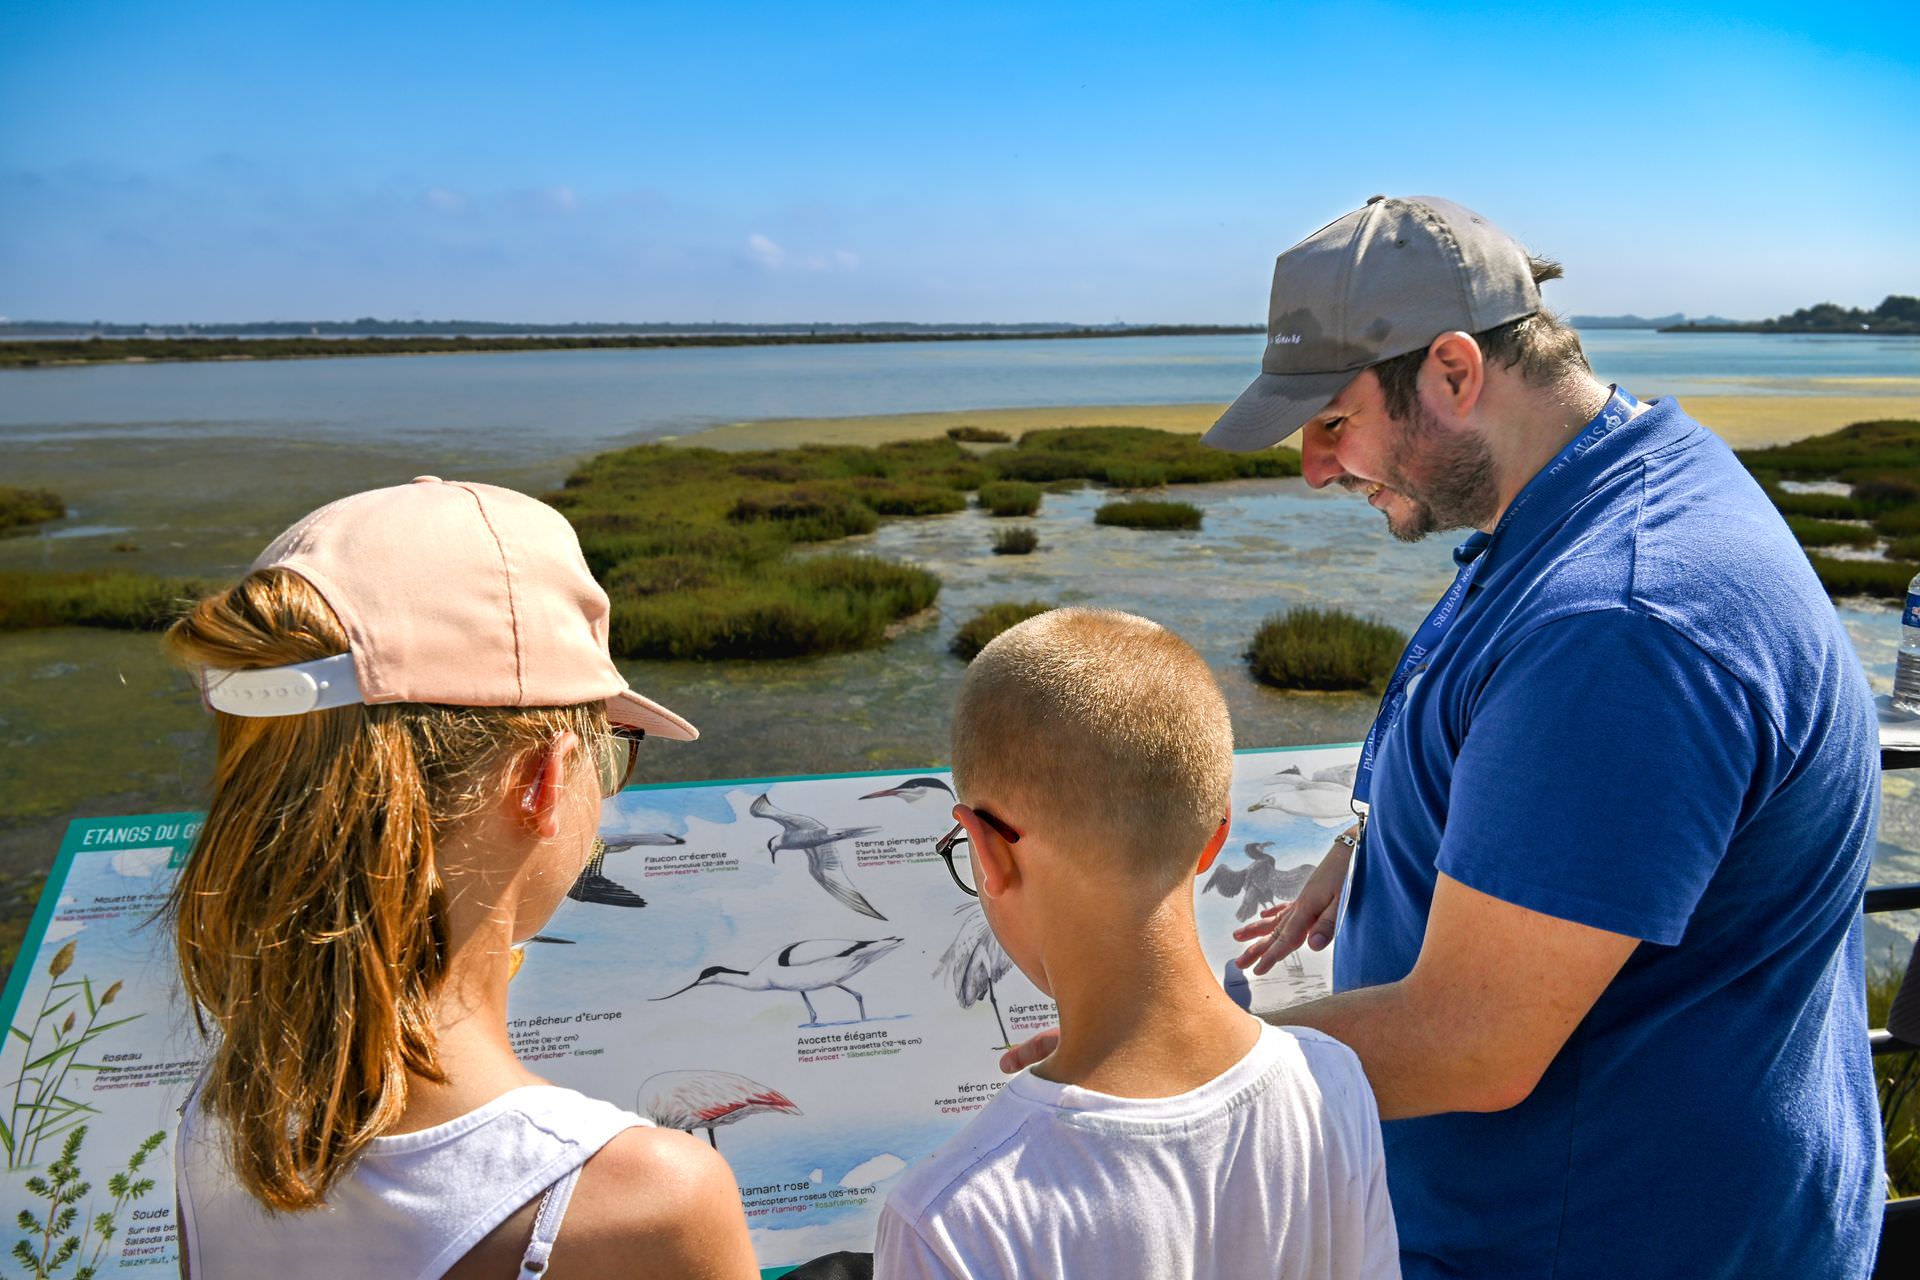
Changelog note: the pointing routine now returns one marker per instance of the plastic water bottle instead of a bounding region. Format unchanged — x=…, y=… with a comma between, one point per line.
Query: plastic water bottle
x=1906, y=668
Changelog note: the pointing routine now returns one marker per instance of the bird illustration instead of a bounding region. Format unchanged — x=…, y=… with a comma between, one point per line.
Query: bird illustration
x=1319, y=798
x=799, y=832
x=689, y=1100
x=1259, y=884
x=801, y=967
x=917, y=791
x=594, y=885
x=974, y=962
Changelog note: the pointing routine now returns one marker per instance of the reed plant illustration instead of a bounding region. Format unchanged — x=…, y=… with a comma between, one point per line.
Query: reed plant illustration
x=41, y=1108
x=49, y=1241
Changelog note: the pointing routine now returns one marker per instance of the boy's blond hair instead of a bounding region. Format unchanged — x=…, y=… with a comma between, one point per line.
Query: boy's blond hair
x=1106, y=730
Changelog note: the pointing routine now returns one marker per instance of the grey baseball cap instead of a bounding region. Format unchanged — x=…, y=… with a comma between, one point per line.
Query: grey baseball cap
x=1386, y=279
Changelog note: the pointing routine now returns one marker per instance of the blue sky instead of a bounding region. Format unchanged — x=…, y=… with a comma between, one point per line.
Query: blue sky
x=843, y=162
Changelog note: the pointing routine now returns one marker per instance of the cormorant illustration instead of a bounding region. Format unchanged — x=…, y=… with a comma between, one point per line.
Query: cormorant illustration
x=811, y=836
x=810, y=965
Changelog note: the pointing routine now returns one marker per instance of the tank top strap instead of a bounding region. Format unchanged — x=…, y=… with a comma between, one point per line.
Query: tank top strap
x=546, y=1224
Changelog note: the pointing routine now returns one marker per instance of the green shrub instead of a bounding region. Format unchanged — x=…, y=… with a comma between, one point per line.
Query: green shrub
x=1324, y=649
x=1830, y=533
x=21, y=509
x=1018, y=541
x=1885, y=491
x=1898, y=522
x=1821, y=506
x=119, y=601
x=808, y=517
x=893, y=498
x=1149, y=515
x=1905, y=548
x=976, y=632
x=1136, y=475
x=978, y=435
x=1882, y=579
x=1010, y=498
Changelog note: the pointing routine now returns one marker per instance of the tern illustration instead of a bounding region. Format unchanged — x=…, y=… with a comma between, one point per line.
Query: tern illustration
x=1319, y=798
x=689, y=1100
x=811, y=836
x=917, y=791
x=974, y=962
x=801, y=967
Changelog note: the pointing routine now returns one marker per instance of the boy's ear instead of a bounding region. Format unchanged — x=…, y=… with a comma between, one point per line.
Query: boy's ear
x=1214, y=846
x=999, y=870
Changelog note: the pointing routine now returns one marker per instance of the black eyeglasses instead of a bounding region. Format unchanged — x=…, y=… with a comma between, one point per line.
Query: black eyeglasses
x=618, y=753
x=945, y=845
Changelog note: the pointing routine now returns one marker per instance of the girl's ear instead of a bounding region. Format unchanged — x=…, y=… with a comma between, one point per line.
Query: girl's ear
x=993, y=856
x=1214, y=846
x=540, y=783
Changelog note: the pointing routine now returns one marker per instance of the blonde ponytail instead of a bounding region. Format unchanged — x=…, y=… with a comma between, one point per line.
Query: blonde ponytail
x=309, y=918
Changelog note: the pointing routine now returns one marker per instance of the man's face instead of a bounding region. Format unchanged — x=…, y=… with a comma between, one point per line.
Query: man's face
x=1421, y=474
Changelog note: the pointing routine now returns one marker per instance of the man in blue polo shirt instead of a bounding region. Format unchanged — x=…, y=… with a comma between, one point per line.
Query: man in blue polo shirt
x=1601, y=949
x=1601, y=955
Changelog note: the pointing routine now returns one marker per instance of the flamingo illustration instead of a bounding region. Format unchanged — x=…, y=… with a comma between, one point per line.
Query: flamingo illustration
x=689, y=1100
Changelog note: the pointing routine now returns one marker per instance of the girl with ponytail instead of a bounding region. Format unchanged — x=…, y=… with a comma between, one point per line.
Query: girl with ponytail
x=417, y=721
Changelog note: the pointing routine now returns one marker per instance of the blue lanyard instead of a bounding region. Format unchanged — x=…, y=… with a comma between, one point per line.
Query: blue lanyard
x=1557, y=477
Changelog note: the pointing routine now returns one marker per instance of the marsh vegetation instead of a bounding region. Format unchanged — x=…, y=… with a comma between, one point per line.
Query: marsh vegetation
x=1328, y=650
x=1140, y=514
x=977, y=632
x=1018, y=541
x=1874, y=470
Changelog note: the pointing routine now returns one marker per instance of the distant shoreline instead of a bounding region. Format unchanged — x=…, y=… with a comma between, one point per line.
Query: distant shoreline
x=42, y=353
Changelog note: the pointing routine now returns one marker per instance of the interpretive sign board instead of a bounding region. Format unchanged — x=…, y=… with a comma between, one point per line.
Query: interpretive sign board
x=781, y=966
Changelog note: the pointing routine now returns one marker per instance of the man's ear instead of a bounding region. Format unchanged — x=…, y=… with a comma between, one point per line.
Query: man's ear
x=539, y=783
x=1454, y=374
x=1214, y=846
x=999, y=869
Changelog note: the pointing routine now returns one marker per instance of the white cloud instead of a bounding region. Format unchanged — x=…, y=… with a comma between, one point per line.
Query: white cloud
x=766, y=252
x=878, y=1169
x=61, y=930
x=817, y=1176
x=444, y=200
x=563, y=198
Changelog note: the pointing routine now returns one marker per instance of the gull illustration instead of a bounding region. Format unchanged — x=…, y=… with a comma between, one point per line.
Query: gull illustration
x=917, y=791
x=810, y=965
x=689, y=1100
x=593, y=883
x=974, y=962
x=1319, y=798
x=799, y=832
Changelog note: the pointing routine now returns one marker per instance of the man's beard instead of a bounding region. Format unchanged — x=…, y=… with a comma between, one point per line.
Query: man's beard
x=1458, y=486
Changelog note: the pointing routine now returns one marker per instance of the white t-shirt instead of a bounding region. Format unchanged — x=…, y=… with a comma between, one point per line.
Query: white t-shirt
x=1273, y=1168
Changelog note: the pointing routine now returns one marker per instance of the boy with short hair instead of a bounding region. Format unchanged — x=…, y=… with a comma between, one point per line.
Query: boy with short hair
x=1171, y=1134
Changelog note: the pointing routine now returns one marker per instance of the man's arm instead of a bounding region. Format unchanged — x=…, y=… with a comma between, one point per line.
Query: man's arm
x=1495, y=993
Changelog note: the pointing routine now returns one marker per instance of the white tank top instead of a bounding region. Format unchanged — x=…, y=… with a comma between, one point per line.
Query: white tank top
x=411, y=1206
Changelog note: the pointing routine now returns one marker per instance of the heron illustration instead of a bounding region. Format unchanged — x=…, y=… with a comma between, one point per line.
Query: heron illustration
x=811, y=836
x=1320, y=798
x=594, y=885
x=974, y=962
x=916, y=791
x=689, y=1100
x=810, y=965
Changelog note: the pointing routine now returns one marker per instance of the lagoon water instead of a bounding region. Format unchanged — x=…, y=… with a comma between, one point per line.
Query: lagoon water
x=531, y=406
x=196, y=465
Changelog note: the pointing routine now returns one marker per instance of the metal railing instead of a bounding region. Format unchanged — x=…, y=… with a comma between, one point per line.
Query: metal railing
x=1900, y=1222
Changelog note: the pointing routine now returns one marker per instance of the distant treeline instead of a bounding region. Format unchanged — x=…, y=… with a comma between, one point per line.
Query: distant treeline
x=370, y=327
x=53, y=351
x=1899, y=314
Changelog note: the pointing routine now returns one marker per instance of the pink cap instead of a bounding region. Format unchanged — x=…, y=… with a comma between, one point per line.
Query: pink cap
x=467, y=595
